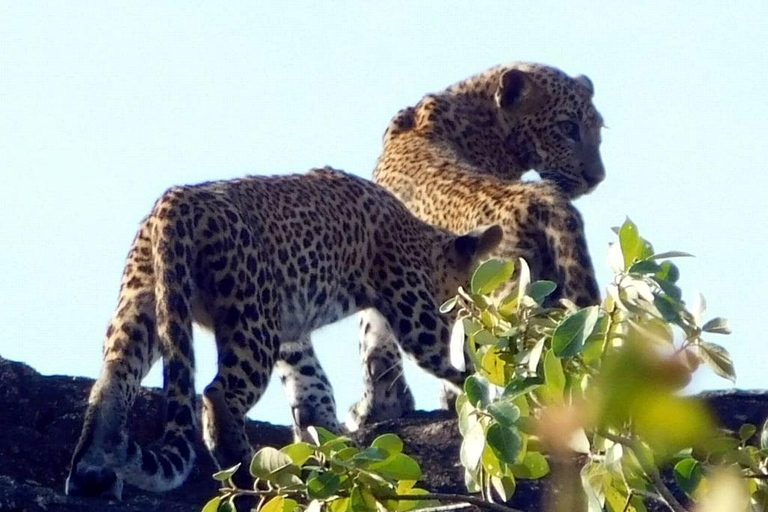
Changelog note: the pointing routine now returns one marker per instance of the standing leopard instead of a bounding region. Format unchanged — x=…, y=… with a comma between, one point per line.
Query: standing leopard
x=455, y=160
x=261, y=261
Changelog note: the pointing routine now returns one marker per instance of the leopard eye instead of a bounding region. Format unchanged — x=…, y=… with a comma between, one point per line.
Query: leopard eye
x=570, y=130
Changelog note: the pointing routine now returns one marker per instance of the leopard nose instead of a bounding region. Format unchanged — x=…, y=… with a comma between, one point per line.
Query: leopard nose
x=595, y=173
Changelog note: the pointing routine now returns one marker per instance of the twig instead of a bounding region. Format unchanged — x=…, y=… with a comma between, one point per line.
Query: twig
x=651, y=470
x=450, y=498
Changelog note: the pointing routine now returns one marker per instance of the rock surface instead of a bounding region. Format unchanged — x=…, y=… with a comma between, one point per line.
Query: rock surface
x=40, y=420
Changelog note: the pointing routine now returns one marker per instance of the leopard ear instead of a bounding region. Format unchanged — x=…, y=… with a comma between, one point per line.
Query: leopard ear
x=478, y=243
x=517, y=92
x=586, y=82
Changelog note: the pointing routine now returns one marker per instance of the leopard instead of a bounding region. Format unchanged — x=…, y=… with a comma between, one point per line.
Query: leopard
x=261, y=261
x=456, y=159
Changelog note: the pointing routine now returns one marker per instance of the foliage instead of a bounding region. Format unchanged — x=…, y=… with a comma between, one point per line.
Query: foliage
x=327, y=473
x=593, y=390
x=601, y=382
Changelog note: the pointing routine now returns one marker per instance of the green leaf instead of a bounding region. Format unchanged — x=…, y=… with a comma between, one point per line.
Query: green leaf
x=490, y=275
x=718, y=359
x=494, y=366
x=371, y=454
x=298, y=452
x=717, y=325
x=226, y=474
x=504, y=487
x=505, y=442
x=645, y=267
x=668, y=271
x=339, y=505
x=472, y=447
x=456, y=347
x=448, y=306
x=268, y=461
x=361, y=501
x=688, y=474
x=280, y=504
x=631, y=243
x=540, y=290
x=320, y=435
x=554, y=378
x=667, y=308
x=764, y=436
x=671, y=254
x=323, y=485
x=521, y=387
x=398, y=467
x=569, y=337
x=505, y=412
x=533, y=466
x=212, y=505
x=388, y=443
x=227, y=506
x=746, y=431
x=476, y=389
x=523, y=279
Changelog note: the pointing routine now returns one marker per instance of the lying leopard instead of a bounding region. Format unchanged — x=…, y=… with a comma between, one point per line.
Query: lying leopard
x=262, y=261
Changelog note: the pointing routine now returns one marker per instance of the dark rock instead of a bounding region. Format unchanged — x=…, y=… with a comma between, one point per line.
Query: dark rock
x=40, y=420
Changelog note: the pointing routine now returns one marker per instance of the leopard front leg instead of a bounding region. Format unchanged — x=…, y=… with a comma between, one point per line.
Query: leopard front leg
x=307, y=387
x=385, y=392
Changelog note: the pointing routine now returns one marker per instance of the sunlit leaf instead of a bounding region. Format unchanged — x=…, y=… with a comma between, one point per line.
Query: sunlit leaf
x=448, y=306
x=490, y=275
x=493, y=366
x=323, y=485
x=399, y=467
x=505, y=412
x=717, y=325
x=226, y=474
x=504, y=486
x=671, y=254
x=389, y=443
x=718, y=359
x=540, y=290
x=321, y=435
x=688, y=474
x=746, y=431
x=339, y=505
x=280, y=504
x=505, y=442
x=298, y=452
x=533, y=466
x=457, y=346
x=591, y=483
x=269, y=461
x=476, y=389
x=554, y=378
x=645, y=267
x=632, y=246
x=472, y=446
x=653, y=330
x=569, y=337
x=212, y=505
x=523, y=278
x=764, y=436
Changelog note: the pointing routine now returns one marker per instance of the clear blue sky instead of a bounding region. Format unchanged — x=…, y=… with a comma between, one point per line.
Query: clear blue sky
x=103, y=107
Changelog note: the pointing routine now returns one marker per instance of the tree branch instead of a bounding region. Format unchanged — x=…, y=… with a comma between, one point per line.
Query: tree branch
x=650, y=469
x=450, y=498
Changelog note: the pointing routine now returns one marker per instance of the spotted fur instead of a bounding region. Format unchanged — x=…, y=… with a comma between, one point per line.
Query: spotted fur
x=456, y=159
x=262, y=261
